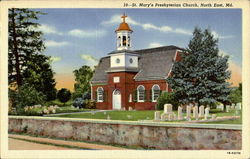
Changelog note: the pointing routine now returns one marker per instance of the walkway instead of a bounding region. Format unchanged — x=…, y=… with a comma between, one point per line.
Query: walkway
x=15, y=144
x=82, y=145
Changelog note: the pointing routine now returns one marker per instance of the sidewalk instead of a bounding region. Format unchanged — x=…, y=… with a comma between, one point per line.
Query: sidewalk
x=66, y=143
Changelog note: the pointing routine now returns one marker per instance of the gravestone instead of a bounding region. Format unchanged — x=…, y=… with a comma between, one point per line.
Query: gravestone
x=130, y=108
x=201, y=111
x=129, y=116
x=157, y=115
x=213, y=116
x=239, y=105
x=195, y=112
x=174, y=116
x=188, y=113
x=206, y=113
x=168, y=108
x=164, y=117
x=170, y=116
x=180, y=116
x=227, y=108
x=108, y=117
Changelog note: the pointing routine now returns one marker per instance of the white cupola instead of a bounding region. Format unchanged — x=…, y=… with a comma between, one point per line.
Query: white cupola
x=123, y=38
x=123, y=59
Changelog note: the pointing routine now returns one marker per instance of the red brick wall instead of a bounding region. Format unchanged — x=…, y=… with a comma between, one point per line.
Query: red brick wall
x=127, y=86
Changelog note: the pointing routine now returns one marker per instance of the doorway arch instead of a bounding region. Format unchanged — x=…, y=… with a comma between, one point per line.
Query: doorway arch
x=116, y=99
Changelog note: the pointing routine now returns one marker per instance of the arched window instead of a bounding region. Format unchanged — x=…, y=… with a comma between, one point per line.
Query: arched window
x=155, y=92
x=140, y=93
x=99, y=94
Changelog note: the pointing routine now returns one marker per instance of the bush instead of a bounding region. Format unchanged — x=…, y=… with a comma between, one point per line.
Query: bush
x=63, y=95
x=90, y=104
x=25, y=96
x=86, y=95
x=167, y=98
x=79, y=102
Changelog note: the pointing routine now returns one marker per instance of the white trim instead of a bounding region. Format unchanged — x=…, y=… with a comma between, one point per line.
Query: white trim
x=153, y=92
x=97, y=95
x=91, y=91
x=138, y=99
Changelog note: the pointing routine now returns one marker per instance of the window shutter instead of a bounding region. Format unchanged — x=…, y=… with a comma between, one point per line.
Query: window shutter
x=105, y=96
x=145, y=96
x=95, y=96
x=135, y=96
x=150, y=95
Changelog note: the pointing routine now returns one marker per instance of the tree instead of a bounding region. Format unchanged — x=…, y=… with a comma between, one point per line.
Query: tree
x=82, y=78
x=63, y=95
x=236, y=94
x=26, y=63
x=201, y=74
x=24, y=41
x=40, y=75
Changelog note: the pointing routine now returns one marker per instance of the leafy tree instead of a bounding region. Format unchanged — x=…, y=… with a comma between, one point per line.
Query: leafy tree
x=201, y=74
x=167, y=98
x=63, y=95
x=26, y=63
x=82, y=78
x=236, y=94
x=24, y=41
x=26, y=95
x=40, y=75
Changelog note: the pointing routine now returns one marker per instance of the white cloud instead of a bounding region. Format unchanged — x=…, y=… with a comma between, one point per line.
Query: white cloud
x=55, y=58
x=87, y=33
x=51, y=43
x=116, y=19
x=155, y=44
x=89, y=60
x=216, y=35
x=49, y=29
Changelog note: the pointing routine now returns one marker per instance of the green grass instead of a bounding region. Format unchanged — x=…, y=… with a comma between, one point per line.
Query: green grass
x=69, y=109
x=58, y=103
x=144, y=115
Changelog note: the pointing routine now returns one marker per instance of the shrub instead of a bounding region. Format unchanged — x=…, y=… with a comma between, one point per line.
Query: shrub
x=167, y=98
x=90, y=104
x=63, y=95
x=86, y=95
x=79, y=102
x=23, y=96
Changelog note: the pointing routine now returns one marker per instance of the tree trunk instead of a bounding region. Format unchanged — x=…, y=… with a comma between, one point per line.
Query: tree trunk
x=17, y=64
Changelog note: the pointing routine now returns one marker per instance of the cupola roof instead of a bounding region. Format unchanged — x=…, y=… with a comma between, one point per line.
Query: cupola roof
x=124, y=25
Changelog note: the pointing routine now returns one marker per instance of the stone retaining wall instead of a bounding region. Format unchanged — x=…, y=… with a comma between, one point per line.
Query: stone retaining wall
x=174, y=136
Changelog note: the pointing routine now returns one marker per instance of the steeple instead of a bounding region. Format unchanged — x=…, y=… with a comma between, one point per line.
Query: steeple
x=123, y=35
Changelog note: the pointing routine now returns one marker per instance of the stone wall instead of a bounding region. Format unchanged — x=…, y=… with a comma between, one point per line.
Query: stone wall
x=172, y=136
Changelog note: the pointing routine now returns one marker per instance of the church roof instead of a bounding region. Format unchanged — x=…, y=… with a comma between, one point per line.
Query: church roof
x=153, y=64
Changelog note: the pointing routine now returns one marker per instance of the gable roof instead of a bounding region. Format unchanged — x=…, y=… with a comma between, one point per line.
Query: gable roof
x=153, y=64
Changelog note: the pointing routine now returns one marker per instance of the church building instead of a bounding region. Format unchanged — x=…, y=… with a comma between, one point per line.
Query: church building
x=132, y=78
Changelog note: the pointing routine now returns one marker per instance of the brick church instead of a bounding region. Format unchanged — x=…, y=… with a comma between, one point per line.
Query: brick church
x=132, y=78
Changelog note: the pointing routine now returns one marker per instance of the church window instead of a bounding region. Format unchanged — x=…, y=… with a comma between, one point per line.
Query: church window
x=100, y=94
x=131, y=60
x=155, y=92
x=124, y=40
x=117, y=60
x=140, y=93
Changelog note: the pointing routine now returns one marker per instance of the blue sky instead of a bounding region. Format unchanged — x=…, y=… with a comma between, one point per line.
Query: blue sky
x=76, y=37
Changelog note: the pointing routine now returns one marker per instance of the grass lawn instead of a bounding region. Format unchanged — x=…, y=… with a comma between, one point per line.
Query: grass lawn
x=143, y=115
x=69, y=109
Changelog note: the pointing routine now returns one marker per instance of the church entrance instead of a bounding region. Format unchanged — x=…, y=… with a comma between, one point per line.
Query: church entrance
x=117, y=99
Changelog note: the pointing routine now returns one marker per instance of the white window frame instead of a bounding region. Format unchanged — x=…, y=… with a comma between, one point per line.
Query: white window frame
x=101, y=91
x=138, y=93
x=153, y=92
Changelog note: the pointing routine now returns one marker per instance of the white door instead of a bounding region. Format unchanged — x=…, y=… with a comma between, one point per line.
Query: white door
x=117, y=99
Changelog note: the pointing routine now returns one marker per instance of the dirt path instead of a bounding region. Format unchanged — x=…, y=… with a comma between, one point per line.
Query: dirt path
x=15, y=144
x=67, y=143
